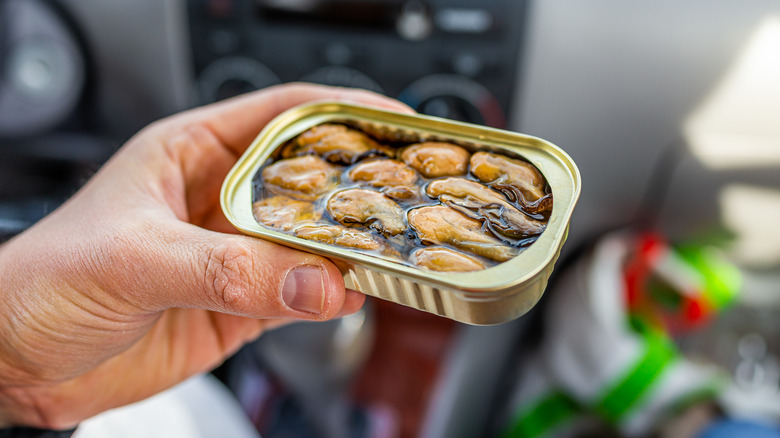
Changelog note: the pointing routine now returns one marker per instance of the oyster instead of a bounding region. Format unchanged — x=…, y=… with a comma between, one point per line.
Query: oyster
x=368, y=208
x=483, y=203
x=394, y=178
x=519, y=180
x=440, y=225
x=436, y=159
x=303, y=177
x=335, y=143
x=468, y=211
x=439, y=258
x=339, y=235
x=283, y=213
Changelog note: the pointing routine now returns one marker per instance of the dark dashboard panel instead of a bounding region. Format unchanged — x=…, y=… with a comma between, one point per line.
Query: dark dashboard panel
x=445, y=58
x=80, y=78
x=77, y=79
x=48, y=135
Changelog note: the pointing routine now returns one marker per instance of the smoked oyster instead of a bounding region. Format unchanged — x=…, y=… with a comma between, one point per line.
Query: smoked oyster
x=441, y=225
x=336, y=144
x=304, y=178
x=394, y=178
x=437, y=159
x=486, y=205
x=519, y=180
x=368, y=208
x=443, y=259
x=431, y=204
x=283, y=212
x=339, y=235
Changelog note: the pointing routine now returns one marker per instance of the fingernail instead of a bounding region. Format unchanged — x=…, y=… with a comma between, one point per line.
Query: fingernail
x=303, y=289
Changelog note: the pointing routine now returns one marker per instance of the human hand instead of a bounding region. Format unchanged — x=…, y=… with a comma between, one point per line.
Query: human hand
x=139, y=282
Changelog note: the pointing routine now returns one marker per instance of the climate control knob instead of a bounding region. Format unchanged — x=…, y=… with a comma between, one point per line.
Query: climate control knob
x=454, y=97
x=231, y=76
x=342, y=77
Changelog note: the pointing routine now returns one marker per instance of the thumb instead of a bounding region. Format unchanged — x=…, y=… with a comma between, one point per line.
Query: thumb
x=244, y=276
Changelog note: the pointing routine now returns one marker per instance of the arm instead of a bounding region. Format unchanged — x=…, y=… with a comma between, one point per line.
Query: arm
x=137, y=282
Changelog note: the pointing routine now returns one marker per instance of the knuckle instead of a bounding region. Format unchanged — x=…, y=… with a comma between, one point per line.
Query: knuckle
x=189, y=137
x=178, y=137
x=228, y=274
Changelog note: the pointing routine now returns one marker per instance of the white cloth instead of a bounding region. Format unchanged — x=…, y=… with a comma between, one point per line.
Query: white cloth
x=589, y=345
x=200, y=407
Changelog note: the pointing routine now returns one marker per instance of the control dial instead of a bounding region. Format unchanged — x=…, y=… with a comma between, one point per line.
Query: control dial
x=454, y=97
x=231, y=76
x=342, y=77
x=42, y=68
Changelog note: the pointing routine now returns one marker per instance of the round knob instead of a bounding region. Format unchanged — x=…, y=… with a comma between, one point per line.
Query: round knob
x=454, y=97
x=43, y=71
x=231, y=76
x=451, y=107
x=342, y=77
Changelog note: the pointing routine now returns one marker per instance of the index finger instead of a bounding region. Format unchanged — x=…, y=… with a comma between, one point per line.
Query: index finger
x=236, y=122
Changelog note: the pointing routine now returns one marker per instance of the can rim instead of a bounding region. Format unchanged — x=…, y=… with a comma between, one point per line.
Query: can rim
x=504, y=278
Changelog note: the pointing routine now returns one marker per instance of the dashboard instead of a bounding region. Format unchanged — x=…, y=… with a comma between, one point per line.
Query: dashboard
x=601, y=80
x=82, y=78
x=613, y=83
x=444, y=58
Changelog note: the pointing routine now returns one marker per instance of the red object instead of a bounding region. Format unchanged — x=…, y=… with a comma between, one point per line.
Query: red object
x=221, y=8
x=409, y=352
x=653, y=256
x=639, y=268
x=697, y=311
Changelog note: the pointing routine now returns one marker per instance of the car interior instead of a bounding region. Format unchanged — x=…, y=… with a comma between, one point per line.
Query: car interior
x=670, y=110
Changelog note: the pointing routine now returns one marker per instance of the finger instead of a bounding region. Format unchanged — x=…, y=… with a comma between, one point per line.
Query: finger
x=236, y=122
x=353, y=302
x=239, y=275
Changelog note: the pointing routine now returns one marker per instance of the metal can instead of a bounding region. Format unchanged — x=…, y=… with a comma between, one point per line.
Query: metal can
x=491, y=296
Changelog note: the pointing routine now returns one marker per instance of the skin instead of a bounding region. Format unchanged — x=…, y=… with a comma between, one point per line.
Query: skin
x=138, y=281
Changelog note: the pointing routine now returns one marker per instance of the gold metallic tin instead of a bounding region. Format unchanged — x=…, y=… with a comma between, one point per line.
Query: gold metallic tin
x=491, y=296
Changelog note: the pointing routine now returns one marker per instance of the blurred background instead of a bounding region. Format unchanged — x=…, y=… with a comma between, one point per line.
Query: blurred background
x=670, y=109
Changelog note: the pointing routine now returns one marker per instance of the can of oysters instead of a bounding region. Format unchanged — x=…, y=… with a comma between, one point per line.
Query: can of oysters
x=455, y=219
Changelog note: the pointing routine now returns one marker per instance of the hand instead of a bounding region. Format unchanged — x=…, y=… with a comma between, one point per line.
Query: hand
x=139, y=282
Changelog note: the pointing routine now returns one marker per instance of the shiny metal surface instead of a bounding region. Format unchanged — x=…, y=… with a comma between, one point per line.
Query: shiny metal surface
x=495, y=295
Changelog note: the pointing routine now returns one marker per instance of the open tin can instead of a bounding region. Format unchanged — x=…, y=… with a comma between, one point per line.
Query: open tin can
x=490, y=296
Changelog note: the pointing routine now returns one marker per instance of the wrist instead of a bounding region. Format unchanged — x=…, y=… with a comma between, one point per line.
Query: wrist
x=39, y=407
x=10, y=415
x=30, y=432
